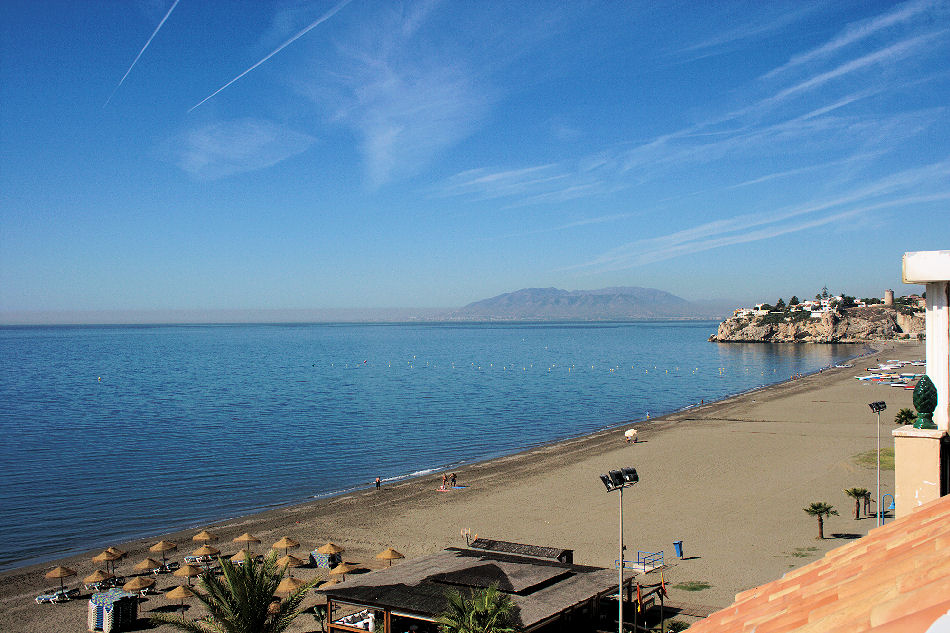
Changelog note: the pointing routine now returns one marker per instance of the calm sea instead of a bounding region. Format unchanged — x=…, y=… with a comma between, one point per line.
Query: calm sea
x=112, y=433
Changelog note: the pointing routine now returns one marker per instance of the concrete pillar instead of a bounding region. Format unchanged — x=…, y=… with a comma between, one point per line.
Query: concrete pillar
x=917, y=472
x=933, y=269
x=917, y=452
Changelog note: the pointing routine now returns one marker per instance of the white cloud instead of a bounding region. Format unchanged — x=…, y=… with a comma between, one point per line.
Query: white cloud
x=232, y=147
x=856, y=32
x=900, y=189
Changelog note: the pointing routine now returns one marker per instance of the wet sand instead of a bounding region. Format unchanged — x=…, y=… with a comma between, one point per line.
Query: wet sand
x=728, y=478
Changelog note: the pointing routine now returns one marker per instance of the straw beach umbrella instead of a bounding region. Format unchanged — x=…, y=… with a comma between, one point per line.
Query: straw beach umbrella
x=97, y=576
x=290, y=561
x=180, y=593
x=147, y=565
x=289, y=585
x=108, y=556
x=389, y=554
x=139, y=583
x=117, y=552
x=61, y=573
x=241, y=556
x=204, y=536
x=163, y=546
x=206, y=550
x=285, y=544
x=188, y=571
x=330, y=548
x=342, y=569
x=247, y=539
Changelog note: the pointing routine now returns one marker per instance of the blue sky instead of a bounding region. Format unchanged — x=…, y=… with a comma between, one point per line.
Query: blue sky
x=162, y=155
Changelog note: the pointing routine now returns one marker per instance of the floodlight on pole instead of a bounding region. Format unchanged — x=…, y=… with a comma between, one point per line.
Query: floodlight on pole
x=618, y=480
x=877, y=407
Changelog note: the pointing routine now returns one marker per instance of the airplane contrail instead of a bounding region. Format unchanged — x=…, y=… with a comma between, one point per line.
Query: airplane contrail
x=154, y=33
x=326, y=16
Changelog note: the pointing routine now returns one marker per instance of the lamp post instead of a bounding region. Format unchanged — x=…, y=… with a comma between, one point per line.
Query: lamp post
x=618, y=480
x=877, y=407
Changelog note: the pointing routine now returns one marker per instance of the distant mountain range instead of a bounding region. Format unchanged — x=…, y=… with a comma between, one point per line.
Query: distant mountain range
x=606, y=304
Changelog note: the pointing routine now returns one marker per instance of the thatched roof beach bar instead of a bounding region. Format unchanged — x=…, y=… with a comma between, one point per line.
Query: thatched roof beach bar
x=549, y=595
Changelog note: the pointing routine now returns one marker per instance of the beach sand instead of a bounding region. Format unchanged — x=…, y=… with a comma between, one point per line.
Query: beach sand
x=729, y=479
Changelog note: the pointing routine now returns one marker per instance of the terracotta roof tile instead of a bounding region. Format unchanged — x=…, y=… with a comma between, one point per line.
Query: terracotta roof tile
x=895, y=579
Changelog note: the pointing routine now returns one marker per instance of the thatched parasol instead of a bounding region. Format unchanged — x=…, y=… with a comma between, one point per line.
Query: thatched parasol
x=329, y=583
x=290, y=561
x=106, y=557
x=163, y=546
x=389, y=554
x=180, y=593
x=61, y=573
x=285, y=544
x=289, y=585
x=241, y=556
x=97, y=576
x=247, y=539
x=330, y=548
x=204, y=536
x=148, y=564
x=138, y=583
x=188, y=571
x=206, y=550
x=342, y=569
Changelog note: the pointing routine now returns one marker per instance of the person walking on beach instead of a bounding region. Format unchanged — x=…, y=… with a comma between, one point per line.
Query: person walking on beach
x=453, y=479
x=444, y=480
x=377, y=483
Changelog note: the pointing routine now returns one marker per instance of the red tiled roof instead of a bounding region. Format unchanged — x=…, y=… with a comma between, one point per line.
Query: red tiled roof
x=894, y=580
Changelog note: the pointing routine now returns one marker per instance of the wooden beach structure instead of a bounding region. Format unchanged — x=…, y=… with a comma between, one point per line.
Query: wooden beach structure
x=549, y=595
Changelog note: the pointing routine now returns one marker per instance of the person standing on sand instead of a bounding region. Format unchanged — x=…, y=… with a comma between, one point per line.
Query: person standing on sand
x=444, y=480
x=377, y=483
x=453, y=479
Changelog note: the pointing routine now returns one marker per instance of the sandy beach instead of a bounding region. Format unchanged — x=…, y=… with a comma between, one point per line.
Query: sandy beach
x=729, y=479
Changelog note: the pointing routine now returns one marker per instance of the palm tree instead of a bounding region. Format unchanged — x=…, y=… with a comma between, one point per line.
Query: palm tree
x=905, y=416
x=820, y=509
x=858, y=494
x=240, y=601
x=484, y=611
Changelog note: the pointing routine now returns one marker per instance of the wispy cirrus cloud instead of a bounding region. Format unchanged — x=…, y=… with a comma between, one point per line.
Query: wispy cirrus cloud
x=759, y=27
x=900, y=189
x=666, y=156
x=856, y=32
x=889, y=54
x=405, y=93
x=231, y=147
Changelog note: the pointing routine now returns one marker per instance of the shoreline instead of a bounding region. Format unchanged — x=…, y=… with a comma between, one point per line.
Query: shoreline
x=867, y=350
x=411, y=516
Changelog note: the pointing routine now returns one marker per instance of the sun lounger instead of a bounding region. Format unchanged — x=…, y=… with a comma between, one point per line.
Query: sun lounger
x=65, y=595
x=46, y=598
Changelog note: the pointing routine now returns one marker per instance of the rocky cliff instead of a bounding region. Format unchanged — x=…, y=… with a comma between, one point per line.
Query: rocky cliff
x=855, y=325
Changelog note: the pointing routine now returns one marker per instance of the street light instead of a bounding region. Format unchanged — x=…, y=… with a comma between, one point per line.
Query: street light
x=877, y=407
x=618, y=480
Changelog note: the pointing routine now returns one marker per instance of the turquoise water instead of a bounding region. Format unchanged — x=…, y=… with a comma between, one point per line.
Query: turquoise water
x=112, y=433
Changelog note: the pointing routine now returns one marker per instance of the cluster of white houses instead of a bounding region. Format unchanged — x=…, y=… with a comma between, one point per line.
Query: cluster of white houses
x=819, y=306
